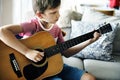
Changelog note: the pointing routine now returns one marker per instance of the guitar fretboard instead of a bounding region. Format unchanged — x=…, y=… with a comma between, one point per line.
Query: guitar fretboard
x=67, y=44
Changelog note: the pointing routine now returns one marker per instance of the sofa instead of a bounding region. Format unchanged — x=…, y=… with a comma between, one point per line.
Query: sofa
x=101, y=69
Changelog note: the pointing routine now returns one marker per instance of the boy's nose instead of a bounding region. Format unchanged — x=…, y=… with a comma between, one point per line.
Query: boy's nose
x=58, y=15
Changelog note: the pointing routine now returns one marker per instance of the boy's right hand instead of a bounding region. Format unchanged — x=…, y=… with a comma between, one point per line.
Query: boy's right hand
x=34, y=55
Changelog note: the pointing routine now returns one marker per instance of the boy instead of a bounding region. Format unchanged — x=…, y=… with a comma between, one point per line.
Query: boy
x=47, y=13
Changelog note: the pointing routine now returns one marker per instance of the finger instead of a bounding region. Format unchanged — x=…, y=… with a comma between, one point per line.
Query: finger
x=38, y=59
x=39, y=56
x=42, y=53
x=35, y=60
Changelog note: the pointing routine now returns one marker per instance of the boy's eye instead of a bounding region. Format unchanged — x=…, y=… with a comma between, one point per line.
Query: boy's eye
x=53, y=12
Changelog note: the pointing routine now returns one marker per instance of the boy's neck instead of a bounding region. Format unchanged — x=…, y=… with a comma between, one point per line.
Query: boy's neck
x=45, y=24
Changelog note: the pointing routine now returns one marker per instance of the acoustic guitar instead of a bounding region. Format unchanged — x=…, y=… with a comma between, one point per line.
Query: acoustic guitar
x=15, y=66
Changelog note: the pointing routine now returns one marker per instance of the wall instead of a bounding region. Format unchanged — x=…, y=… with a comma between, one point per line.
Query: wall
x=0, y=11
x=6, y=12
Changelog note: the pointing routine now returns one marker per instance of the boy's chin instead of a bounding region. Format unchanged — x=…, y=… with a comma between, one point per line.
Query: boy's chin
x=53, y=22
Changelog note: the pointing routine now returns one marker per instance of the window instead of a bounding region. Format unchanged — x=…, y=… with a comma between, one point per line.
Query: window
x=20, y=9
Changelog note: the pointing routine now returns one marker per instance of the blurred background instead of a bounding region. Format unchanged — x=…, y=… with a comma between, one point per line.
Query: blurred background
x=15, y=11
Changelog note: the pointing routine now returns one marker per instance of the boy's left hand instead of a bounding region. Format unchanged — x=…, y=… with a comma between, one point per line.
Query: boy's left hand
x=96, y=36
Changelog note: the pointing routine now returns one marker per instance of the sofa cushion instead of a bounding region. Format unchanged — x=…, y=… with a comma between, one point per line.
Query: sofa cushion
x=103, y=70
x=102, y=48
x=116, y=43
x=75, y=62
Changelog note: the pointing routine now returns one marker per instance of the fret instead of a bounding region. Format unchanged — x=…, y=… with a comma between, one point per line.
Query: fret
x=68, y=44
x=52, y=50
x=64, y=46
x=60, y=47
x=47, y=52
x=77, y=40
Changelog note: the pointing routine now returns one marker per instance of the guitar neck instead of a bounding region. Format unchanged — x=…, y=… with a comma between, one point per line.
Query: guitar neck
x=67, y=44
x=72, y=42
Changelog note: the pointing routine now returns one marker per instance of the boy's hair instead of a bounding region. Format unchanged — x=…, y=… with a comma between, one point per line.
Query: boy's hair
x=42, y=5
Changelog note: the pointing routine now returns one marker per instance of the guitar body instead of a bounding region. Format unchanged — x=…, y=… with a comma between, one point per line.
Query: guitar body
x=28, y=69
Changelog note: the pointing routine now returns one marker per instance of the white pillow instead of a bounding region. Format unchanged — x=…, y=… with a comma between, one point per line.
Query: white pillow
x=102, y=48
x=66, y=16
x=92, y=16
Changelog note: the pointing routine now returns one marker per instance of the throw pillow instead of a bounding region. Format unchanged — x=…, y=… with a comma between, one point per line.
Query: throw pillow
x=66, y=16
x=92, y=16
x=102, y=48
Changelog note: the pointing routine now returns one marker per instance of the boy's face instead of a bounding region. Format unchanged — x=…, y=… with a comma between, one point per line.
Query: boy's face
x=51, y=15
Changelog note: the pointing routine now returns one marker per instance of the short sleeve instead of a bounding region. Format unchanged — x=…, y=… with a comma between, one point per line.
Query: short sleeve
x=29, y=28
x=60, y=37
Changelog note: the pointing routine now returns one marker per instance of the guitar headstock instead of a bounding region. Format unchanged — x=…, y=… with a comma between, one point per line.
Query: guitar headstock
x=105, y=28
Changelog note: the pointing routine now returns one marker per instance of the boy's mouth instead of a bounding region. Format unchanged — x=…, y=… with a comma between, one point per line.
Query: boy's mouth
x=56, y=20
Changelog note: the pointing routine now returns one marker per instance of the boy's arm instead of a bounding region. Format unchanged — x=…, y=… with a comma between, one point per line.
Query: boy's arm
x=7, y=35
x=73, y=50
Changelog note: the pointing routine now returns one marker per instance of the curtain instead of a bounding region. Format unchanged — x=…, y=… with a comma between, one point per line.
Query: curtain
x=0, y=12
x=20, y=10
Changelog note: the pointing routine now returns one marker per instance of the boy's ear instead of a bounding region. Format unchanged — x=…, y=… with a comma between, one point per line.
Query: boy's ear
x=38, y=14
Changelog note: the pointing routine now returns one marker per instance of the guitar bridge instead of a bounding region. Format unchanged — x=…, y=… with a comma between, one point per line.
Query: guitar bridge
x=15, y=65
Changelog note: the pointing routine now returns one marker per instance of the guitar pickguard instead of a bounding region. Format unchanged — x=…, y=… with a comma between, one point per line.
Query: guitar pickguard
x=31, y=72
